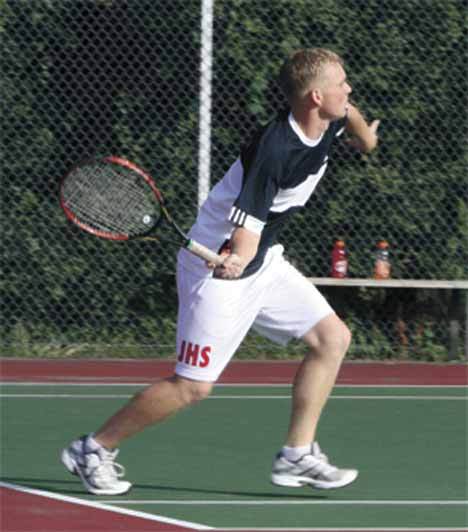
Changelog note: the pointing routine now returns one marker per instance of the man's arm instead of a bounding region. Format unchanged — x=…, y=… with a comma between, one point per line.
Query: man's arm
x=363, y=136
x=244, y=246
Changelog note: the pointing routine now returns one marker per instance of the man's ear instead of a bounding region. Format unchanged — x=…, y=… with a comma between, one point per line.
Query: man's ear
x=316, y=96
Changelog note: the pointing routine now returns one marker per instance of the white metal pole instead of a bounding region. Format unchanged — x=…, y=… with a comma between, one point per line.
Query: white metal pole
x=206, y=62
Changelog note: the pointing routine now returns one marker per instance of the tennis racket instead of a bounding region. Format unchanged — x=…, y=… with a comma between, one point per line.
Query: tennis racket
x=113, y=198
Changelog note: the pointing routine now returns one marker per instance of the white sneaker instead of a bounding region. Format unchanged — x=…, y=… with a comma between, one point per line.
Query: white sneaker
x=313, y=469
x=96, y=467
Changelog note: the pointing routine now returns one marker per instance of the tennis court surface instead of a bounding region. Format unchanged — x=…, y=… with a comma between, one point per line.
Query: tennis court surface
x=404, y=426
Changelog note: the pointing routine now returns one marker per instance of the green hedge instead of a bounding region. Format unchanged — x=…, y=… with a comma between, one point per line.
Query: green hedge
x=88, y=77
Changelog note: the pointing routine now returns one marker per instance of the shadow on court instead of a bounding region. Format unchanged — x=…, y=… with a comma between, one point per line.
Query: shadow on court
x=67, y=487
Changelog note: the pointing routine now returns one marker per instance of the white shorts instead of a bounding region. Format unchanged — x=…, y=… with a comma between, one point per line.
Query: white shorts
x=215, y=314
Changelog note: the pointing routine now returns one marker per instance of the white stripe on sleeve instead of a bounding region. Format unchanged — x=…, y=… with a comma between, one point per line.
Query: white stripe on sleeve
x=242, y=219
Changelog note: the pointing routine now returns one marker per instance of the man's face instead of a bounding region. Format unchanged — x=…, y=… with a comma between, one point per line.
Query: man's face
x=334, y=91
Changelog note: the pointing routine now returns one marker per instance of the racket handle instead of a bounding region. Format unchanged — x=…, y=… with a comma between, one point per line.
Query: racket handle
x=204, y=253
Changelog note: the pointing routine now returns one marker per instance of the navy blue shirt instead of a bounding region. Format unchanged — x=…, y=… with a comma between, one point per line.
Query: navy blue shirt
x=281, y=169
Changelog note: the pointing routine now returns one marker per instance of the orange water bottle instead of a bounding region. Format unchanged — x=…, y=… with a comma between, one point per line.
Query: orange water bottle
x=339, y=262
x=382, y=266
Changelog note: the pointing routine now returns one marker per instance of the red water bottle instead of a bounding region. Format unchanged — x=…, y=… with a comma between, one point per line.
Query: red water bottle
x=339, y=263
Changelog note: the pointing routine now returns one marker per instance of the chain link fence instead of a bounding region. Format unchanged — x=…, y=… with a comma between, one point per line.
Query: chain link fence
x=177, y=87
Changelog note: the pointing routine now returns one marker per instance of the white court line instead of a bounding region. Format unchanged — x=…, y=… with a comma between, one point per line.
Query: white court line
x=230, y=385
x=248, y=397
x=281, y=502
x=103, y=506
x=63, y=396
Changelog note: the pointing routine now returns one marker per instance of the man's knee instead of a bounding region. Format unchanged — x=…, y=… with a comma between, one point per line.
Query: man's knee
x=346, y=337
x=330, y=336
x=192, y=391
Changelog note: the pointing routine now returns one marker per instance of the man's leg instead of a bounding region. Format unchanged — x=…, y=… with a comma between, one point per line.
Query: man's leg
x=152, y=405
x=206, y=341
x=92, y=457
x=301, y=461
x=328, y=342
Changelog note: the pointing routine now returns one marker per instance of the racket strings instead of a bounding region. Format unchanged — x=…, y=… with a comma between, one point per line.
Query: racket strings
x=111, y=199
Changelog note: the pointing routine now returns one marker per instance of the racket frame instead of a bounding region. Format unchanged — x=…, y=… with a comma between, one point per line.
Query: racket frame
x=191, y=245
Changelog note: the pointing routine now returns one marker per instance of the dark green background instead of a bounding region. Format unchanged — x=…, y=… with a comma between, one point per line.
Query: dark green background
x=88, y=78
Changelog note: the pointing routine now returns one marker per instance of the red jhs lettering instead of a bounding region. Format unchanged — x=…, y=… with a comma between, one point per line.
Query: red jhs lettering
x=194, y=354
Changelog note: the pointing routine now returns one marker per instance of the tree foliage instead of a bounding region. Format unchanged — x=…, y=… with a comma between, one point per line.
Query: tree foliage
x=83, y=78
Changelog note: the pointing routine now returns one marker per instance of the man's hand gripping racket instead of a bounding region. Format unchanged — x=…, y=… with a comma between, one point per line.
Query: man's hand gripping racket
x=113, y=198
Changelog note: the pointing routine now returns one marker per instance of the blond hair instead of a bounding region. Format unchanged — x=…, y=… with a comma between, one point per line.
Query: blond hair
x=302, y=68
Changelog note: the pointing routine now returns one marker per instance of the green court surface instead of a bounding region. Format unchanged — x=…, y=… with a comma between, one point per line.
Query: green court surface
x=211, y=463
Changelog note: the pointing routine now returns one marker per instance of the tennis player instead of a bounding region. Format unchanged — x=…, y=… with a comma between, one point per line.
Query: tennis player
x=256, y=286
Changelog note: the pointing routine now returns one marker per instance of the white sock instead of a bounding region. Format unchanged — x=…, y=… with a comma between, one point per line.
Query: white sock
x=91, y=443
x=295, y=453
